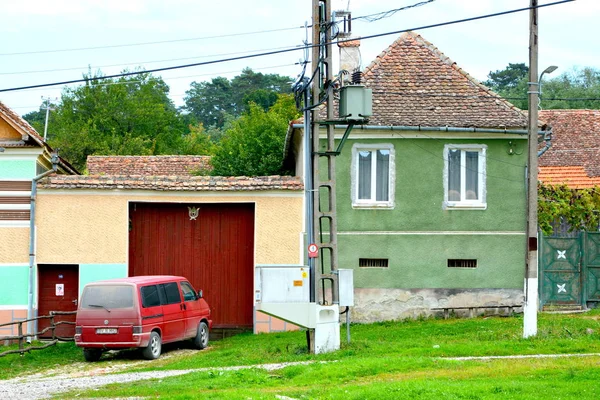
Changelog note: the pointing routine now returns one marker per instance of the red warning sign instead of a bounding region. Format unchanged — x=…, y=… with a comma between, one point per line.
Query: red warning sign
x=313, y=250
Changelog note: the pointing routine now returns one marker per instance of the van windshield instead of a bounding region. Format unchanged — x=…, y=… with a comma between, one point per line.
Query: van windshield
x=107, y=296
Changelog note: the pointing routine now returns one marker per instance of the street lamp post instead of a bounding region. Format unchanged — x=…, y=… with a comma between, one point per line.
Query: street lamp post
x=548, y=70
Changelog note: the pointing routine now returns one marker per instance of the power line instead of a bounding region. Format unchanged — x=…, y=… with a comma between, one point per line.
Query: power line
x=389, y=13
x=171, y=78
x=147, y=43
x=479, y=96
x=281, y=51
x=137, y=63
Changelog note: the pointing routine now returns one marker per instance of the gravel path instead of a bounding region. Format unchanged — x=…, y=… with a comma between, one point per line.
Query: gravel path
x=43, y=386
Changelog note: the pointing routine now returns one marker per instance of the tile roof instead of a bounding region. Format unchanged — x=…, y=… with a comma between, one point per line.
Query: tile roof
x=575, y=140
x=147, y=165
x=22, y=126
x=415, y=84
x=17, y=121
x=574, y=177
x=172, y=183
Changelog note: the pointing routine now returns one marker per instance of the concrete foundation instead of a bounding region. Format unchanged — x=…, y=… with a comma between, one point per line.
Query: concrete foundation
x=373, y=305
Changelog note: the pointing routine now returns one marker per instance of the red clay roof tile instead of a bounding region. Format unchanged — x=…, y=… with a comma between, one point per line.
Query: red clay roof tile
x=147, y=165
x=172, y=183
x=415, y=84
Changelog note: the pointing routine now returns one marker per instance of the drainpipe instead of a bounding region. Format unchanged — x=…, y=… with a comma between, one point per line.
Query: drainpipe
x=548, y=140
x=30, y=325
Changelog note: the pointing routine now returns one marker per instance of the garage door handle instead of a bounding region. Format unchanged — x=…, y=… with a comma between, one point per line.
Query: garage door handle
x=74, y=301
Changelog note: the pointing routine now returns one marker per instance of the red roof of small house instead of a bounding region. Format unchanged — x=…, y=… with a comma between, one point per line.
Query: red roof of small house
x=173, y=183
x=574, y=155
x=147, y=165
x=415, y=84
x=573, y=177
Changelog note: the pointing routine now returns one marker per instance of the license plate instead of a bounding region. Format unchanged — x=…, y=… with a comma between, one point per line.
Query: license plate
x=106, y=331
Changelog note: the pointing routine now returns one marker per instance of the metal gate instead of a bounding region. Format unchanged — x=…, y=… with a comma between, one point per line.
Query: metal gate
x=570, y=270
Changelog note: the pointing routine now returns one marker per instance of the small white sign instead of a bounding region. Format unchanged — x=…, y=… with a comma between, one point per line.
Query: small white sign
x=60, y=289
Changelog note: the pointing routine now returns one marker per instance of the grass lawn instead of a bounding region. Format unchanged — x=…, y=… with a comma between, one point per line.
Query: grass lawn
x=395, y=360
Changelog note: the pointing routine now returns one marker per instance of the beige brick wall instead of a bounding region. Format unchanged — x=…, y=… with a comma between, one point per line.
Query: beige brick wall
x=92, y=227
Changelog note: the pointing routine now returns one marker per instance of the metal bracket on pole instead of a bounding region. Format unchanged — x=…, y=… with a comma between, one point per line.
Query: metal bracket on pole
x=338, y=150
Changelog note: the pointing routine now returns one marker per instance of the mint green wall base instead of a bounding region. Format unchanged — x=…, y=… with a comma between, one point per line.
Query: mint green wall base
x=420, y=261
x=97, y=272
x=13, y=285
x=17, y=169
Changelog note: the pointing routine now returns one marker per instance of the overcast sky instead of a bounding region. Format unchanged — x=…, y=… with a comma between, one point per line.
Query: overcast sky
x=195, y=31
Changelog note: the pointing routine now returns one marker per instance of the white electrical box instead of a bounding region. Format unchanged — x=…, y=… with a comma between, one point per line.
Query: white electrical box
x=282, y=285
x=346, y=281
x=356, y=103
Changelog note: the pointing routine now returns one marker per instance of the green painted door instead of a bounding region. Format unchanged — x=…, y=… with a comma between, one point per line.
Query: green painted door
x=560, y=271
x=592, y=266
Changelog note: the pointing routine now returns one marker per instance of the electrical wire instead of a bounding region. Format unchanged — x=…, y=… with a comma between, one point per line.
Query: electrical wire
x=138, y=63
x=389, y=13
x=466, y=96
x=285, y=50
x=147, y=43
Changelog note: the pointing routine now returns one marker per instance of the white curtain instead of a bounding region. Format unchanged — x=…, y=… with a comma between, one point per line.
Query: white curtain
x=383, y=175
x=364, y=175
x=472, y=175
x=454, y=175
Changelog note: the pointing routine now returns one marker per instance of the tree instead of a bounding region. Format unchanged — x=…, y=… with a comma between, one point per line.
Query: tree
x=212, y=102
x=577, y=88
x=253, y=144
x=130, y=115
x=511, y=83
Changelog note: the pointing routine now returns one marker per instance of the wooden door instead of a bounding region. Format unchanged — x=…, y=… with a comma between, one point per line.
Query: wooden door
x=213, y=249
x=58, y=290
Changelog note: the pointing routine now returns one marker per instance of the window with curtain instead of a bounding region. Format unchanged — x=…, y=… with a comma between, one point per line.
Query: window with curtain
x=464, y=176
x=372, y=183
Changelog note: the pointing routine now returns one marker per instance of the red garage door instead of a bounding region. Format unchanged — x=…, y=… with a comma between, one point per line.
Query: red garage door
x=213, y=248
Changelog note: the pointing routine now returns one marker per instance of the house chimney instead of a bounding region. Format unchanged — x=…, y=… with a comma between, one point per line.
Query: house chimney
x=349, y=58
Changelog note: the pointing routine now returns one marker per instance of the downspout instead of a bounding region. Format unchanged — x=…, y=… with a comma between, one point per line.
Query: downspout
x=548, y=140
x=30, y=325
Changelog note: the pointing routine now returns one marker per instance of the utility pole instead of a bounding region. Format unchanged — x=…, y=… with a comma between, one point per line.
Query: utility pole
x=47, y=100
x=530, y=307
x=325, y=337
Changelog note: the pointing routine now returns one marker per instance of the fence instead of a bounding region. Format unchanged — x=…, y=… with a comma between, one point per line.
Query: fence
x=22, y=337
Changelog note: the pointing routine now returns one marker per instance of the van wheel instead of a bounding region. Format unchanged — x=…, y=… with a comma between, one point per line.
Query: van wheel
x=201, y=340
x=152, y=352
x=92, y=355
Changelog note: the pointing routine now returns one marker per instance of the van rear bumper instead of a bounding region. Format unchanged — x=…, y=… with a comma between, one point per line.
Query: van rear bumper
x=137, y=340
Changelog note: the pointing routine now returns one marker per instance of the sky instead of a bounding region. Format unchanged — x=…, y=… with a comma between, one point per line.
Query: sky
x=59, y=40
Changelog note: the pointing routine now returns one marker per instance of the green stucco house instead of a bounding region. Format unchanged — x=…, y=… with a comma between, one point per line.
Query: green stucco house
x=431, y=199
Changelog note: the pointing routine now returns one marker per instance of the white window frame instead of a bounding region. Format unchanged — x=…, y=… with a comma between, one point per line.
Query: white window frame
x=464, y=204
x=372, y=203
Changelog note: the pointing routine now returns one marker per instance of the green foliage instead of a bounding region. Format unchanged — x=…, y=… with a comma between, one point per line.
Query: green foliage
x=124, y=116
x=580, y=208
x=37, y=119
x=570, y=88
x=253, y=144
x=212, y=102
x=198, y=141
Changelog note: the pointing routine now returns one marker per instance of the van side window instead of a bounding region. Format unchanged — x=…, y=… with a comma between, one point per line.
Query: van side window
x=172, y=293
x=189, y=294
x=150, y=296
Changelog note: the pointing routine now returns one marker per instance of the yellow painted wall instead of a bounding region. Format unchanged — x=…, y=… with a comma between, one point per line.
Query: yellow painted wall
x=14, y=245
x=93, y=227
x=8, y=132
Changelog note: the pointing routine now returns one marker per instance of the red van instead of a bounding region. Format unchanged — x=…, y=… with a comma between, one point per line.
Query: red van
x=142, y=312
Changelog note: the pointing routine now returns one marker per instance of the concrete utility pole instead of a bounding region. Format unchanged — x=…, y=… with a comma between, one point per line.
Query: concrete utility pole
x=326, y=336
x=530, y=307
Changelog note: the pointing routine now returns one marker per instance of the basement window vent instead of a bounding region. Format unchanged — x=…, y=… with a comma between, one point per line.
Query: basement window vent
x=460, y=263
x=373, y=262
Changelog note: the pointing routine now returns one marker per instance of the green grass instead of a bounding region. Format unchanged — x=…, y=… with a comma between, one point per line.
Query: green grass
x=401, y=359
